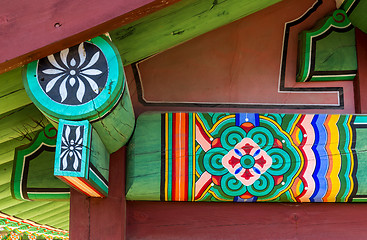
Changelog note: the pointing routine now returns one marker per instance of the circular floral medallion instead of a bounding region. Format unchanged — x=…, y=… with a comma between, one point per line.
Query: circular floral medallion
x=75, y=75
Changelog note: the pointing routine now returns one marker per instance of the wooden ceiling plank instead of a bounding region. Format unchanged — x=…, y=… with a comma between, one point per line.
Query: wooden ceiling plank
x=23, y=206
x=5, y=173
x=12, y=92
x=21, y=122
x=44, y=210
x=7, y=149
x=178, y=23
x=45, y=215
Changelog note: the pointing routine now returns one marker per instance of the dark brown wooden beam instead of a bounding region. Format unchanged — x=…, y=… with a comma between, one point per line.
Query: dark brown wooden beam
x=30, y=30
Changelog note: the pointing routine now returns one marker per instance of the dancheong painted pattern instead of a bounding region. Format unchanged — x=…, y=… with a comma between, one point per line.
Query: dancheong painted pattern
x=247, y=157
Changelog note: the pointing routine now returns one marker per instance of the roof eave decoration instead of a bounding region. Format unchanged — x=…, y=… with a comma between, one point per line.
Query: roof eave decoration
x=328, y=51
x=82, y=91
x=21, y=226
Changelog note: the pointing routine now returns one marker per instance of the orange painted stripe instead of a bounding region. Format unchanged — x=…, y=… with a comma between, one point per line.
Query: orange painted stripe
x=180, y=158
x=82, y=186
x=328, y=150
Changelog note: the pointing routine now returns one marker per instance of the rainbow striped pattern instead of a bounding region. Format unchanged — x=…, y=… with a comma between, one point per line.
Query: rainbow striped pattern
x=247, y=157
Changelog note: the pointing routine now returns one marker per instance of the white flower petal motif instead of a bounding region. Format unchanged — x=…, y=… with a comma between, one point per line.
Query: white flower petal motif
x=78, y=154
x=51, y=83
x=93, y=60
x=81, y=91
x=67, y=134
x=82, y=54
x=92, y=84
x=63, y=55
x=63, y=91
x=64, y=161
x=91, y=72
x=52, y=60
x=72, y=81
x=52, y=71
x=73, y=62
x=76, y=163
x=77, y=133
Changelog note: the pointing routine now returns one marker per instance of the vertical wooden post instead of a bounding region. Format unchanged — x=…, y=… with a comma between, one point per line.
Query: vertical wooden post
x=360, y=87
x=92, y=218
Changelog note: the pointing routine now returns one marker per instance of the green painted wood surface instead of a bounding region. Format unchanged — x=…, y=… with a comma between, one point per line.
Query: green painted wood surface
x=7, y=149
x=336, y=52
x=19, y=122
x=144, y=159
x=178, y=23
x=328, y=51
x=115, y=129
x=356, y=10
x=12, y=93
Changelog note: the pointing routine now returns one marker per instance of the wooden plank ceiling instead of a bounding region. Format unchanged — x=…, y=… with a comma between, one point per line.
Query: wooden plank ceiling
x=156, y=32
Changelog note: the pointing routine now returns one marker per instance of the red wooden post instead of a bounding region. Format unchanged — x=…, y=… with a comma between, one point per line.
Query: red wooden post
x=360, y=86
x=101, y=218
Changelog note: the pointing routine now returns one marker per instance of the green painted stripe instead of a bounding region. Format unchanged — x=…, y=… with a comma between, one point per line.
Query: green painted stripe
x=360, y=119
x=96, y=182
x=333, y=78
x=169, y=157
x=51, y=196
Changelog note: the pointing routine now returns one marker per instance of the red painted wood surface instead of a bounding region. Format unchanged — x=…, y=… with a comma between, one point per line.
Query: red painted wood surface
x=30, y=30
x=240, y=63
x=170, y=220
x=361, y=79
x=99, y=219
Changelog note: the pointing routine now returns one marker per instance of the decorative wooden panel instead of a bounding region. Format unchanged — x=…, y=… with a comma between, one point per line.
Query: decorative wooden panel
x=33, y=177
x=247, y=157
x=328, y=52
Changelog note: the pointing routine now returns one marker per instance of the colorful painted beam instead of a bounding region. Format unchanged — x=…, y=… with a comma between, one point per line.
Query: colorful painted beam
x=32, y=177
x=247, y=157
x=81, y=159
x=328, y=52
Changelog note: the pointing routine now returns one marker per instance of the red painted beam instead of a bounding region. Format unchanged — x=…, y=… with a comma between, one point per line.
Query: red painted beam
x=30, y=30
x=172, y=220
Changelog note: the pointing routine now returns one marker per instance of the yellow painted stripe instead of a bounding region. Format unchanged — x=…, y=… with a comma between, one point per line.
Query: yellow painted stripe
x=220, y=121
x=335, y=158
x=194, y=156
x=203, y=127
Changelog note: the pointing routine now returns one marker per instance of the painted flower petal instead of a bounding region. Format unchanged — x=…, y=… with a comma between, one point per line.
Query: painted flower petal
x=81, y=91
x=52, y=82
x=63, y=55
x=71, y=153
x=52, y=71
x=93, y=60
x=62, y=90
x=72, y=81
x=79, y=142
x=52, y=60
x=73, y=62
x=64, y=161
x=78, y=154
x=67, y=134
x=77, y=133
x=82, y=54
x=76, y=163
x=79, y=148
x=91, y=72
x=92, y=84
